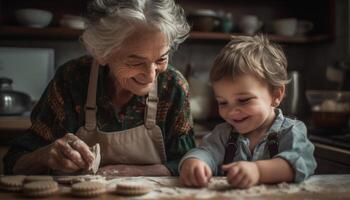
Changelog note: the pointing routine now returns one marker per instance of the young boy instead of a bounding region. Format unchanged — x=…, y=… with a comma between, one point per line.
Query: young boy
x=256, y=144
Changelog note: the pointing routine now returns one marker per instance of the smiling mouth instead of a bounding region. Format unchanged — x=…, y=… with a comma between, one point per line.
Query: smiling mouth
x=240, y=120
x=138, y=82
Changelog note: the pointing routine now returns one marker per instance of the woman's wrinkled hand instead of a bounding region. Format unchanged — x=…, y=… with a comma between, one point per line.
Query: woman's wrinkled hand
x=67, y=155
x=195, y=173
x=242, y=174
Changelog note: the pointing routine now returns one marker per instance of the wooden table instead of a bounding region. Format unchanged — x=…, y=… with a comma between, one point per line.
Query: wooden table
x=317, y=187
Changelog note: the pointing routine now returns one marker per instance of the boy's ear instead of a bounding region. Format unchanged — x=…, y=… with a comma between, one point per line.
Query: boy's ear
x=278, y=95
x=101, y=61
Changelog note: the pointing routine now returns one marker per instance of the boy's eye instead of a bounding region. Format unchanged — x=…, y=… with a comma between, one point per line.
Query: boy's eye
x=222, y=103
x=244, y=100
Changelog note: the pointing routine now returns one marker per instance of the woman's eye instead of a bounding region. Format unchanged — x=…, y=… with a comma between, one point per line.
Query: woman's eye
x=162, y=60
x=135, y=64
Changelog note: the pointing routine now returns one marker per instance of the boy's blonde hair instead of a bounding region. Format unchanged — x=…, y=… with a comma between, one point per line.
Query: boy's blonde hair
x=253, y=55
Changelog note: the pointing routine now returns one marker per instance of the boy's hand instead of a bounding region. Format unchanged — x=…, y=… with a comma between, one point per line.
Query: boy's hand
x=195, y=173
x=242, y=174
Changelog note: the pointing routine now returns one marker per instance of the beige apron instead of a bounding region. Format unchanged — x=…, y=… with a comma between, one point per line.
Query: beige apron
x=140, y=145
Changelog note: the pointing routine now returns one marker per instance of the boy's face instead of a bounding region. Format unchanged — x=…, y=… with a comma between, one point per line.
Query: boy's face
x=246, y=103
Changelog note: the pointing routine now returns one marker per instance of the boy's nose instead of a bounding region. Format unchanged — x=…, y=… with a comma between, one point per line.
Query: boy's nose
x=234, y=110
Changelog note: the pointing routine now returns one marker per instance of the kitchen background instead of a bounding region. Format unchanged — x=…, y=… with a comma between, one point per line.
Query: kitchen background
x=310, y=54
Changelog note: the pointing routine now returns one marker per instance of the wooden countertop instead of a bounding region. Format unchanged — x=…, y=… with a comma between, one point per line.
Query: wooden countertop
x=317, y=187
x=20, y=123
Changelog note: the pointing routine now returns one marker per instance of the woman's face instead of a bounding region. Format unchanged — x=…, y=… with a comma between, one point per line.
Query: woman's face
x=246, y=103
x=141, y=57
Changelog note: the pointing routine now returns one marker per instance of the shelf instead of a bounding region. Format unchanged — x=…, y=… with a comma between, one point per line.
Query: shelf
x=61, y=33
x=215, y=36
x=52, y=33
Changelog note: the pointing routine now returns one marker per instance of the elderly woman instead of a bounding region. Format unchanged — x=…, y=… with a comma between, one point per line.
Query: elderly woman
x=125, y=97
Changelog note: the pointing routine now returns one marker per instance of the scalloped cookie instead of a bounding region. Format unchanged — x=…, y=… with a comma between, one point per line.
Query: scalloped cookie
x=33, y=178
x=132, y=189
x=88, y=189
x=12, y=183
x=69, y=180
x=40, y=189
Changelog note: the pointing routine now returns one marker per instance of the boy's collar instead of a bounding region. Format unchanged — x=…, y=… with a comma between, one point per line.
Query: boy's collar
x=278, y=122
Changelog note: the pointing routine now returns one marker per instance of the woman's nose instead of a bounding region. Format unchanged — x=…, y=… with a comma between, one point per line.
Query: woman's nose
x=150, y=72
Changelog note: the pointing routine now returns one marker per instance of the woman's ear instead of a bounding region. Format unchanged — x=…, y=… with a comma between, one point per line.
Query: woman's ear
x=278, y=95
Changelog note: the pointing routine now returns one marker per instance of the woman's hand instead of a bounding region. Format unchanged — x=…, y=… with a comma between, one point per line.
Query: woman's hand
x=242, y=174
x=134, y=170
x=195, y=173
x=68, y=154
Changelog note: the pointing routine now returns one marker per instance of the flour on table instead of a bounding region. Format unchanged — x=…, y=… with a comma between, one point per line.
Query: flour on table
x=170, y=187
x=328, y=183
x=80, y=178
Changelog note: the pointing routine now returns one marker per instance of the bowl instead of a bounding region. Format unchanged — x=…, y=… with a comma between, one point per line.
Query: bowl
x=73, y=21
x=330, y=109
x=35, y=18
x=204, y=20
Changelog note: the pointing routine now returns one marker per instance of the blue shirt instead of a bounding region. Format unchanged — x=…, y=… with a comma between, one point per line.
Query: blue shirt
x=294, y=147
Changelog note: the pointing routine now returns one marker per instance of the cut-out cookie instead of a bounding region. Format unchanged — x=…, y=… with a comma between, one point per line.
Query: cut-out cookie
x=40, y=188
x=29, y=179
x=132, y=189
x=88, y=189
x=12, y=183
x=69, y=180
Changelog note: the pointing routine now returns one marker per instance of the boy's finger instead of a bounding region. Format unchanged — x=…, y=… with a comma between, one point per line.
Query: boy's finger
x=232, y=174
x=200, y=177
x=208, y=173
x=192, y=178
x=226, y=167
x=237, y=180
x=183, y=179
x=243, y=183
x=184, y=173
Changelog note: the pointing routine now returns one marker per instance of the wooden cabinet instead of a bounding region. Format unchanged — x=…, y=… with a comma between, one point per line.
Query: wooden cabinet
x=331, y=160
x=11, y=127
x=321, y=13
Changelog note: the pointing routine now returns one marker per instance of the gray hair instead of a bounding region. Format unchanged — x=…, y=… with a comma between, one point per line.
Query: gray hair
x=254, y=55
x=111, y=21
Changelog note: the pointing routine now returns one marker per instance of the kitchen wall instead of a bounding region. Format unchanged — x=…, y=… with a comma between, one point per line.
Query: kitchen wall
x=318, y=56
x=310, y=59
x=64, y=50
